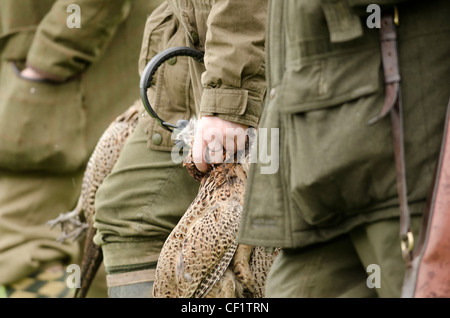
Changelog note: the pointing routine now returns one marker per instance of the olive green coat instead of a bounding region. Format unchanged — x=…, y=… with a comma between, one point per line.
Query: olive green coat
x=141, y=201
x=51, y=128
x=325, y=81
x=231, y=83
x=54, y=127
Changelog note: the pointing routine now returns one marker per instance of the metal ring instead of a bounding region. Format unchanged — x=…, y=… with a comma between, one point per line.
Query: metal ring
x=407, y=245
x=150, y=70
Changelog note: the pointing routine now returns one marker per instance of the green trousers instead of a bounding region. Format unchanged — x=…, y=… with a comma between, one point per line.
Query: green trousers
x=367, y=262
x=137, y=206
x=28, y=247
x=26, y=241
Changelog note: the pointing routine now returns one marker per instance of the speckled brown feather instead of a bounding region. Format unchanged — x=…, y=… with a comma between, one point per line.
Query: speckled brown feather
x=201, y=257
x=99, y=166
x=101, y=162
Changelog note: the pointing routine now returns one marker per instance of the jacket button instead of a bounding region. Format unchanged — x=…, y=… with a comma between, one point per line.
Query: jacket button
x=156, y=139
x=272, y=94
x=172, y=60
x=195, y=38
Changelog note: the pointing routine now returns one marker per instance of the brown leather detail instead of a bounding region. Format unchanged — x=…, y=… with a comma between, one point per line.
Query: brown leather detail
x=433, y=276
x=393, y=106
x=397, y=131
x=428, y=269
x=388, y=40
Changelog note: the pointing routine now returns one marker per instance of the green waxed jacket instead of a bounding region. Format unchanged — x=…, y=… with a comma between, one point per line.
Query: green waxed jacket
x=231, y=82
x=325, y=82
x=232, y=85
x=54, y=127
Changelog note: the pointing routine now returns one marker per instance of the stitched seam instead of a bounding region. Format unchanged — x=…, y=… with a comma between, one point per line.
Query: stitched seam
x=150, y=203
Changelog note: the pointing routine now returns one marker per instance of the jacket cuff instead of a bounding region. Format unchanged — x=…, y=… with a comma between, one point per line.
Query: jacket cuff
x=129, y=256
x=60, y=65
x=234, y=105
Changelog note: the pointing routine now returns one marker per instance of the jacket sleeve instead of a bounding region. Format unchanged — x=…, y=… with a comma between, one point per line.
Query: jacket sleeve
x=63, y=52
x=234, y=82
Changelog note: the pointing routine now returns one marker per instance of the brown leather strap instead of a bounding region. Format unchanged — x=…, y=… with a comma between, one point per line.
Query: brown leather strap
x=388, y=39
x=393, y=106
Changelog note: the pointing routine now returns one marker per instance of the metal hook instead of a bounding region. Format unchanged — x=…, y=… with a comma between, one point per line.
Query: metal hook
x=150, y=71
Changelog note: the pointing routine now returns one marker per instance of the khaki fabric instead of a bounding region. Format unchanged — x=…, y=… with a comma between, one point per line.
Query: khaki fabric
x=139, y=204
x=142, y=200
x=134, y=284
x=336, y=172
x=135, y=205
x=134, y=277
x=170, y=94
x=55, y=48
x=231, y=83
x=364, y=263
x=35, y=132
x=138, y=290
x=101, y=60
x=26, y=242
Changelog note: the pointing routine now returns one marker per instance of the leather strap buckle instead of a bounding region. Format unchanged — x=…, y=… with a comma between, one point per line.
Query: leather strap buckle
x=393, y=106
x=407, y=246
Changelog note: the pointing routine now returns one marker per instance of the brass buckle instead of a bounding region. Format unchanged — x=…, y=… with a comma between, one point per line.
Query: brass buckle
x=396, y=19
x=407, y=245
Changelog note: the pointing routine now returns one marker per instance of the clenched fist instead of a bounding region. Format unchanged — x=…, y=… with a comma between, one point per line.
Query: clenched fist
x=212, y=137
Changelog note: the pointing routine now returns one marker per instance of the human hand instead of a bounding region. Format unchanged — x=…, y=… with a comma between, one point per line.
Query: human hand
x=32, y=74
x=212, y=137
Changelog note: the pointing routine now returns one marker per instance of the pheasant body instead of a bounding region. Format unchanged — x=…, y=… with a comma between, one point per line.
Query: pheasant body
x=99, y=166
x=201, y=257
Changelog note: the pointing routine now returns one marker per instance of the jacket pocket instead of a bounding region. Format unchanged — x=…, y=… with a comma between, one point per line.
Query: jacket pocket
x=338, y=164
x=170, y=93
x=319, y=83
x=156, y=30
x=42, y=125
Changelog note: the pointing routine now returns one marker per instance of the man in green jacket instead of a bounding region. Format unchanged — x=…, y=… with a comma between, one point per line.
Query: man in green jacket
x=141, y=201
x=333, y=204
x=68, y=68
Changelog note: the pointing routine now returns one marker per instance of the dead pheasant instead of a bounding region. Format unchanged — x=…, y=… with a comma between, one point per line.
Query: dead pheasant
x=99, y=166
x=226, y=268
x=201, y=257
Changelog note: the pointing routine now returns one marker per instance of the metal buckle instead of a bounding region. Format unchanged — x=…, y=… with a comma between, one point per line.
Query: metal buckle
x=396, y=18
x=407, y=245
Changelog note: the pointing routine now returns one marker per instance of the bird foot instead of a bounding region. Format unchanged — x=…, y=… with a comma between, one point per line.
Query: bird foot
x=70, y=217
x=75, y=234
x=71, y=226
